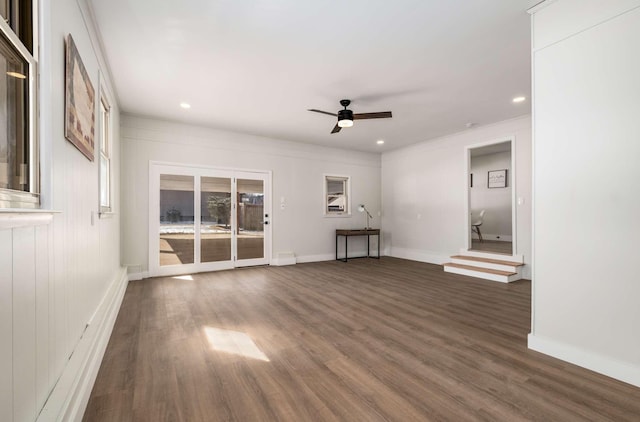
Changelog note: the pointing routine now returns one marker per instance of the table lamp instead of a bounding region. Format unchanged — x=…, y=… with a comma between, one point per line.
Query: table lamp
x=362, y=208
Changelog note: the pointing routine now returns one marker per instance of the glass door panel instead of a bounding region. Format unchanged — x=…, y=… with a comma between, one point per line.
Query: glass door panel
x=250, y=218
x=215, y=219
x=177, y=223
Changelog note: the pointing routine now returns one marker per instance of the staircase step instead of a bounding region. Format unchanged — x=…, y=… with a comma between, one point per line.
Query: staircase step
x=488, y=260
x=486, y=273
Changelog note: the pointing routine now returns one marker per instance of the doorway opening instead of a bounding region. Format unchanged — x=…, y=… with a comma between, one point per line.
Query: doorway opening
x=490, y=222
x=206, y=219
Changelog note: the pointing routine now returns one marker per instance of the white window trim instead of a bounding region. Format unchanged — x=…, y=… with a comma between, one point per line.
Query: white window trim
x=10, y=198
x=344, y=214
x=105, y=98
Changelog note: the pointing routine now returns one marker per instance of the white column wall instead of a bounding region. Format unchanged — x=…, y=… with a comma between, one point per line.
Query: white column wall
x=587, y=202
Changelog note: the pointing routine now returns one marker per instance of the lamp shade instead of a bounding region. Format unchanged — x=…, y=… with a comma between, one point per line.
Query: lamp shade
x=361, y=208
x=345, y=118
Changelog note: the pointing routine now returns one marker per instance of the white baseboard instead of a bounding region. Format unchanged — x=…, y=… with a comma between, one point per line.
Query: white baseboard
x=332, y=257
x=419, y=255
x=622, y=371
x=138, y=276
x=70, y=396
x=315, y=258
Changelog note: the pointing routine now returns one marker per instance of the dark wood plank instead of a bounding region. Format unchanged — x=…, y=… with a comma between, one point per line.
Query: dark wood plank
x=387, y=340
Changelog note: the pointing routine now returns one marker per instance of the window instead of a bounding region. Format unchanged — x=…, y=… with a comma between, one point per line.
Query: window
x=336, y=195
x=18, y=144
x=105, y=155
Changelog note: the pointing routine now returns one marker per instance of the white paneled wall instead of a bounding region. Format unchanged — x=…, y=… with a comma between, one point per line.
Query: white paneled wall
x=60, y=276
x=6, y=325
x=24, y=315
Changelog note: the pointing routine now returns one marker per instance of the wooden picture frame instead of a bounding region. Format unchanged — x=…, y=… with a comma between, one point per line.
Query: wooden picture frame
x=4, y=10
x=497, y=179
x=80, y=113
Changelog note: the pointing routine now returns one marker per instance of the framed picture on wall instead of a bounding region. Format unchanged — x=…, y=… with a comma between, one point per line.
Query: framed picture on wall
x=497, y=179
x=80, y=114
x=4, y=10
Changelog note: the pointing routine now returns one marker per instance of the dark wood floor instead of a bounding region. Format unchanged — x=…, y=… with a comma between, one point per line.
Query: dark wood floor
x=367, y=340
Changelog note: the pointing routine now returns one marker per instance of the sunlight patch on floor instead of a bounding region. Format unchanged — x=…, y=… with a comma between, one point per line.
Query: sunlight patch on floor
x=234, y=342
x=183, y=277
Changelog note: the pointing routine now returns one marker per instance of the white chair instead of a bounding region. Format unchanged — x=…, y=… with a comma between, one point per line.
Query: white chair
x=475, y=225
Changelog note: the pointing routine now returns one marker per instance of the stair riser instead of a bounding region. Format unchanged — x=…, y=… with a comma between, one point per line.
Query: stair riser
x=491, y=266
x=478, y=274
x=516, y=258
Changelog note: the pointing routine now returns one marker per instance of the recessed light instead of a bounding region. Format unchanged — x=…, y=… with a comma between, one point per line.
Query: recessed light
x=17, y=75
x=380, y=141
x=185, y=105
x=519, y=99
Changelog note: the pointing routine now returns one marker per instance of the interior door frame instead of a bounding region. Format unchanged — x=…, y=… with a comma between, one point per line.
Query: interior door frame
x=156, y=168
x=511, y=179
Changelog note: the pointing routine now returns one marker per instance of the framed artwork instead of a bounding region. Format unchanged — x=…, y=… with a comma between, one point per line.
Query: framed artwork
x=497, y=179
x=4, y=9
x=80, y=113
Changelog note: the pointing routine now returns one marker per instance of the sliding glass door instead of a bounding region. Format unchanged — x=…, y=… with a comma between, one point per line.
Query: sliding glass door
x=203, y=219
x=215, y=219
x=176, y=217
x=251, y=219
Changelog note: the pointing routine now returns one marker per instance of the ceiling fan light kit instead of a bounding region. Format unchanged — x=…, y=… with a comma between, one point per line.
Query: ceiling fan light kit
x=346, y=116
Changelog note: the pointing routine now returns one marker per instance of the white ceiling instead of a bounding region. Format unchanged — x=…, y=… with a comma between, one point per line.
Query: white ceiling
x=256, y=66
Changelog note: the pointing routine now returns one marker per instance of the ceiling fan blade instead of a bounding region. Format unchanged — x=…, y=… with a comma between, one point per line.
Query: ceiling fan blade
x=379, y=115
x=323, y=112
x=336, y=129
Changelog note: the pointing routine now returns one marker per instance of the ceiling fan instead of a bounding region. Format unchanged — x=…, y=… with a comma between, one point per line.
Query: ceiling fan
x=346, y=117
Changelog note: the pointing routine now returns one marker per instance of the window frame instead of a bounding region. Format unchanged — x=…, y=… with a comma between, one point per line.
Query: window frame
x=107, y=154
x=11, y=198
x=347, y=194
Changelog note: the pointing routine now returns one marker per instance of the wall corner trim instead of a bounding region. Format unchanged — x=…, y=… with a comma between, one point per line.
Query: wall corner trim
x=604, y=365
x=69, y=398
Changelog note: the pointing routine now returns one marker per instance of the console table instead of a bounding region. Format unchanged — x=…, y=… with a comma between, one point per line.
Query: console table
x=362, y=232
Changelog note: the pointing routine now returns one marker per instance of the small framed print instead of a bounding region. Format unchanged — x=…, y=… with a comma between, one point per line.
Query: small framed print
x=497, y=179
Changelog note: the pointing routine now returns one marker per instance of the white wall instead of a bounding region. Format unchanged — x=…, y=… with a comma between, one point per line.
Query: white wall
x=424, y=190
x=297, y=169
x=496, y=202
x=58, y=277
x=587, y=202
